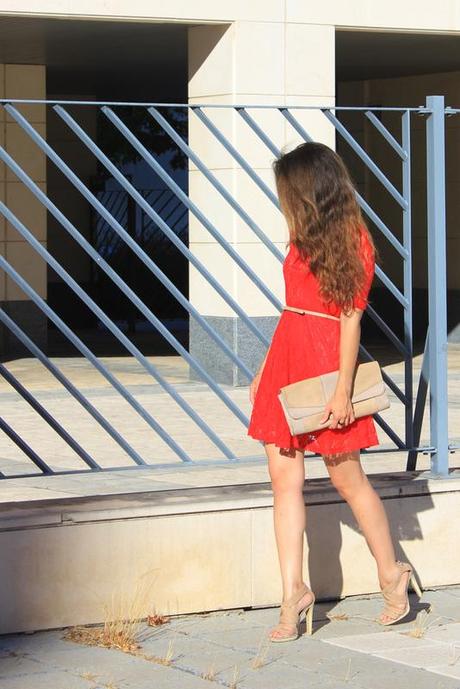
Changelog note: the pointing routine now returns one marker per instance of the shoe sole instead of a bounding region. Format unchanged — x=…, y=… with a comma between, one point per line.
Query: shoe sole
x=412, y=582
x=308, y=612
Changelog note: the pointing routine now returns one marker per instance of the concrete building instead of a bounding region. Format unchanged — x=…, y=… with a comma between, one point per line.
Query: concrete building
x=272, y=53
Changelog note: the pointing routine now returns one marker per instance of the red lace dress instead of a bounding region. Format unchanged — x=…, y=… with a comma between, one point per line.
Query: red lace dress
x=303, y=346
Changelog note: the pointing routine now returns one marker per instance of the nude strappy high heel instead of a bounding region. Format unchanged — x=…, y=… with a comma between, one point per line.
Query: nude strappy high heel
x=393, y=602
x=290, y=617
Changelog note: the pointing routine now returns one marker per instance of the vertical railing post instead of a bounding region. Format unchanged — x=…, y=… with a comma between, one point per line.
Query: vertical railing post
x=407, y=273
x=437, y=285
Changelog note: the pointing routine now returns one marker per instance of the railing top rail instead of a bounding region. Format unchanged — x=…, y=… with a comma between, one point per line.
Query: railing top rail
x=255, y=106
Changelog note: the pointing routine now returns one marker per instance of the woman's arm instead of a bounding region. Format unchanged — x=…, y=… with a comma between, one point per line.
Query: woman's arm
x=340, y=403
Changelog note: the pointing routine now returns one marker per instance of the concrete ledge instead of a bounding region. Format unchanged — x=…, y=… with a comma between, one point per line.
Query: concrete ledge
x=209, y=548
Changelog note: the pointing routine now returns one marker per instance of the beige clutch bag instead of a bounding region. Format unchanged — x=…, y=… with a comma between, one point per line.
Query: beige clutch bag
x=303, y=402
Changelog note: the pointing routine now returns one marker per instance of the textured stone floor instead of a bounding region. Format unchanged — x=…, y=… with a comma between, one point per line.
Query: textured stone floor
x=347, y=650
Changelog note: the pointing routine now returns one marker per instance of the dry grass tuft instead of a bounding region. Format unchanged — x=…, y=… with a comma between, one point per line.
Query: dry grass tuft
x=260, y=657
x=210, y=673
x=421, y=624
x=156, y=620
x=454, y=654
x=348, y=675
x=107, y=637
x=90, y=676
x=235, y=678
x=167, y=659
x=169, y=655
x=339, y=616
x=123, y=621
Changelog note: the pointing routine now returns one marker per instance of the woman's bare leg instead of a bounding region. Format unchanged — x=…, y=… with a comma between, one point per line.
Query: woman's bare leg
x=287, y=476
x=351, y=482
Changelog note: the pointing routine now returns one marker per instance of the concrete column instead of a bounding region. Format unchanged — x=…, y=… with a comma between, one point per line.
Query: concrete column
x=256, y=63
x=23, y=81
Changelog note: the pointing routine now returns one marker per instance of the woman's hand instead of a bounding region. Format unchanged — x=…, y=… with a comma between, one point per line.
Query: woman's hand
x=341, y=408
x=253, y=387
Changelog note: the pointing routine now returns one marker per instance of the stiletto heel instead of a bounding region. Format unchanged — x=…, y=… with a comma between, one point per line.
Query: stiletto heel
x=309, y=619
x=415, y=586
x=290, y=617
x=392, y=599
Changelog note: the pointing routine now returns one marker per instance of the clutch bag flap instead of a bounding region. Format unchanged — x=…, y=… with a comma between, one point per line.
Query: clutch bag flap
x=309, y=397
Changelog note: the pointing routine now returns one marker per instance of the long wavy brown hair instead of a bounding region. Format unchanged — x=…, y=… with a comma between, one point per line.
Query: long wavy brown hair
x=318, y=200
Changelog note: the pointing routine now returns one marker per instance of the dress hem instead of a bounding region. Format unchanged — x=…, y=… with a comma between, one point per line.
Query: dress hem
x=291, y=450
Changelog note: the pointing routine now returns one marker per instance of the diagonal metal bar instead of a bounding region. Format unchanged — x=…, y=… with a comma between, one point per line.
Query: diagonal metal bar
x=378, y=222
x=365, y=157
x=389, y=381
x=233, y=151
x=295, y=124
x=372, y=215
x=131, y=242
x=103, y=370
x=81, y=399
x=302, y=131
x=178, y=140
x=26, y=449
x=150, y=212
x=398, y=295
x=388, y=331
x=250, y=121
x=47, y=417
x=420, y=404
x=193, y=208
x=390, y=432
x=86, y=299
x=149, y=315
x=391, y=384
x=388, y=136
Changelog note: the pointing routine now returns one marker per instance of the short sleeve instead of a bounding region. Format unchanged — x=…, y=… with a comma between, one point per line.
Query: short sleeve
x=360, y=301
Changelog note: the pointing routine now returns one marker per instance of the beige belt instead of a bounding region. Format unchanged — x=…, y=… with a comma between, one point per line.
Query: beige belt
x=314, y=313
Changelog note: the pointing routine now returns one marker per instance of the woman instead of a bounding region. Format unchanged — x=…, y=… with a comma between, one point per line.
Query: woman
x=328, y=269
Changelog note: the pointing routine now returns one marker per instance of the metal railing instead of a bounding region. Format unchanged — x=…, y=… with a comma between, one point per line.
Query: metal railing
x=109, y=220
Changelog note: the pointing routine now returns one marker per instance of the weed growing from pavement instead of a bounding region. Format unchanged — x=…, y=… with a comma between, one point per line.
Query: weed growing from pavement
x=260, y=657
x=124, y=618
x=236, y=678
x=210, y=673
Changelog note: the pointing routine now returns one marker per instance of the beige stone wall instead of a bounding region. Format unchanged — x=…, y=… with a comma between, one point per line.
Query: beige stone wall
x=211, y=550
x=270, y=63
x=412, y=15
x=22, y=81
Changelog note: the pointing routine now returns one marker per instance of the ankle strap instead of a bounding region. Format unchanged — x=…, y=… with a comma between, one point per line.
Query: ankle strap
x=314, y=313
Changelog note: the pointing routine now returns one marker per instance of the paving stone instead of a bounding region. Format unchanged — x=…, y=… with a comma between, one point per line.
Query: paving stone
x=382, y=641
x=107, y=664
x=36, y=641
x=48, y=680
x=247, y=639
x=450, y=670
x=277, y=676
x=370, y=672
x=166, y=678
x=18, y=665
x=353, y=653
x=424, y=657
x=218, y=621
x=449, y=633
x=198, y=657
